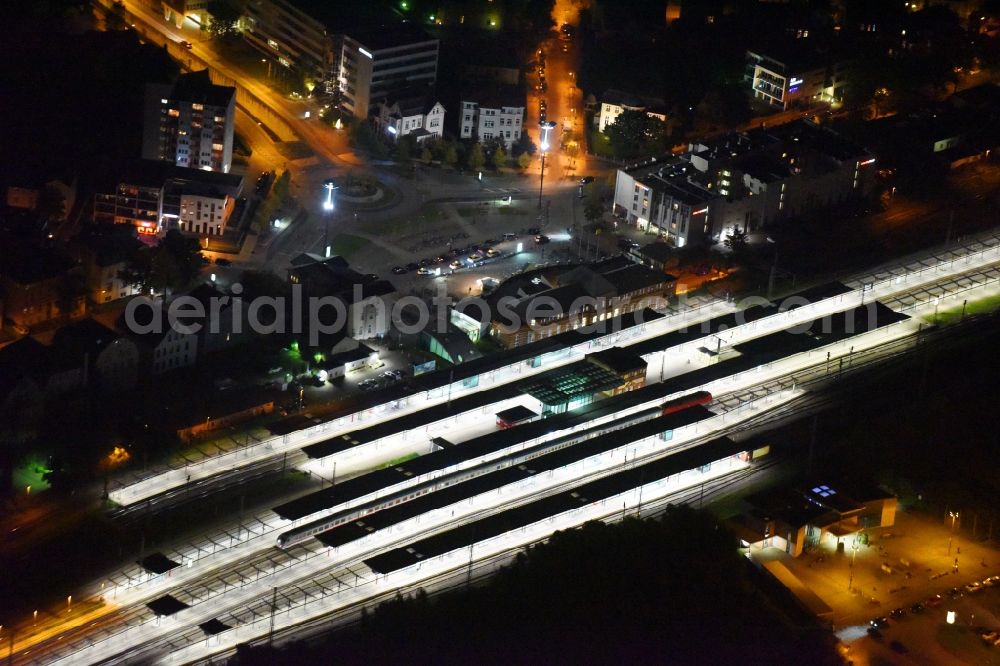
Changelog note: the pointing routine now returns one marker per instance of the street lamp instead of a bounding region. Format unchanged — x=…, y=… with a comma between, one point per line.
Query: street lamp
x=546, y=127
x=954, y=515
x=329, y=186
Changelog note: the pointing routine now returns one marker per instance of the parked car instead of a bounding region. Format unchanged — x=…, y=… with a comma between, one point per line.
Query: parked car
x=934, y=601
x=185, y=43
x=398, y=270
x=491, y=252
x=974, y=586
x=917, y=608
x=897, y=613
x=586, y=180
x=424, y=270
x=541, y=239
x=412, y=266
x=426, y=262
x=475, y=257
x=455, y=265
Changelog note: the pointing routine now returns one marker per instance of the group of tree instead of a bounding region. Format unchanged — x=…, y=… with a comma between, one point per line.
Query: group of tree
x=172, y=264
x=636, y=134
x=224, y=20
x=672, y=590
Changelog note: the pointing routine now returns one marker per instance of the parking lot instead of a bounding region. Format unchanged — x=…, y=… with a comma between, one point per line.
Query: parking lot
x=918, y=568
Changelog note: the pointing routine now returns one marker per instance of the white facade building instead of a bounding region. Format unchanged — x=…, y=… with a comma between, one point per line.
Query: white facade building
x=418, y=115
x=615, y=102
x=497, y=113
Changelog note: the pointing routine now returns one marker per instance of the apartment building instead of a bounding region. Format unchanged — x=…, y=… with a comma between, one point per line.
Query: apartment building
x=155, y=197
x=795, y=77
x=293, y=36
x=745, y=180
x=190, y=124
x=613, y=103
x=496, y=112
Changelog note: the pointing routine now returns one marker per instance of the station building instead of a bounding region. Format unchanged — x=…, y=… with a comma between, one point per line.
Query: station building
x=797, y=519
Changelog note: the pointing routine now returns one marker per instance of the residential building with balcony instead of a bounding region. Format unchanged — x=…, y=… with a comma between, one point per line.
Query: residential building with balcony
x=290, y=35
x=190, y=124
x=495, y=112
x=155, y=197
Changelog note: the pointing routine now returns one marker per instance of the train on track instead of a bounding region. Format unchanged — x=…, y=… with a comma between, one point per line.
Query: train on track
x=305, y=532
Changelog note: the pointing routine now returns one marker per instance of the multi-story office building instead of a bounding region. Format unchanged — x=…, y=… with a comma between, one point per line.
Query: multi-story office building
x=190, y=123
x=745, y=180
x=156, y=197
x=373, y=63
x=795, y=77
x=367, y=60
x=292, y=36
x=493, y=113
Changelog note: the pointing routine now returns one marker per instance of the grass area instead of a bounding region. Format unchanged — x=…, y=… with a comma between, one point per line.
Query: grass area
x=952, y=315
x=294, y=150
x=347, y=244
x=429, y=213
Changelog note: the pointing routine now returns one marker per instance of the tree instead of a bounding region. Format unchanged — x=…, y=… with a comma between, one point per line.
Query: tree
x=224, y=22
x=499, y=158
x=635, y=134
x=476, y=159
x=449, y=154
x=593, y=207
x=524, y=144
x=404, y=149
x=426, y=155
x=172, y=264
x=736, y=241
x=524, y=160
x=281, y=187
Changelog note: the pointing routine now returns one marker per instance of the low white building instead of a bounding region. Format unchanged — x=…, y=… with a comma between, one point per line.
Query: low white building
x=204, y=214
x=411, y=113
x=613, y=103
x=494, y=113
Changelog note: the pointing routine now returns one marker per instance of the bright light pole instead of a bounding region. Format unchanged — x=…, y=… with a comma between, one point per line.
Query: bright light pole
x=327, y=213
x=954, y=515
x=546, y=128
